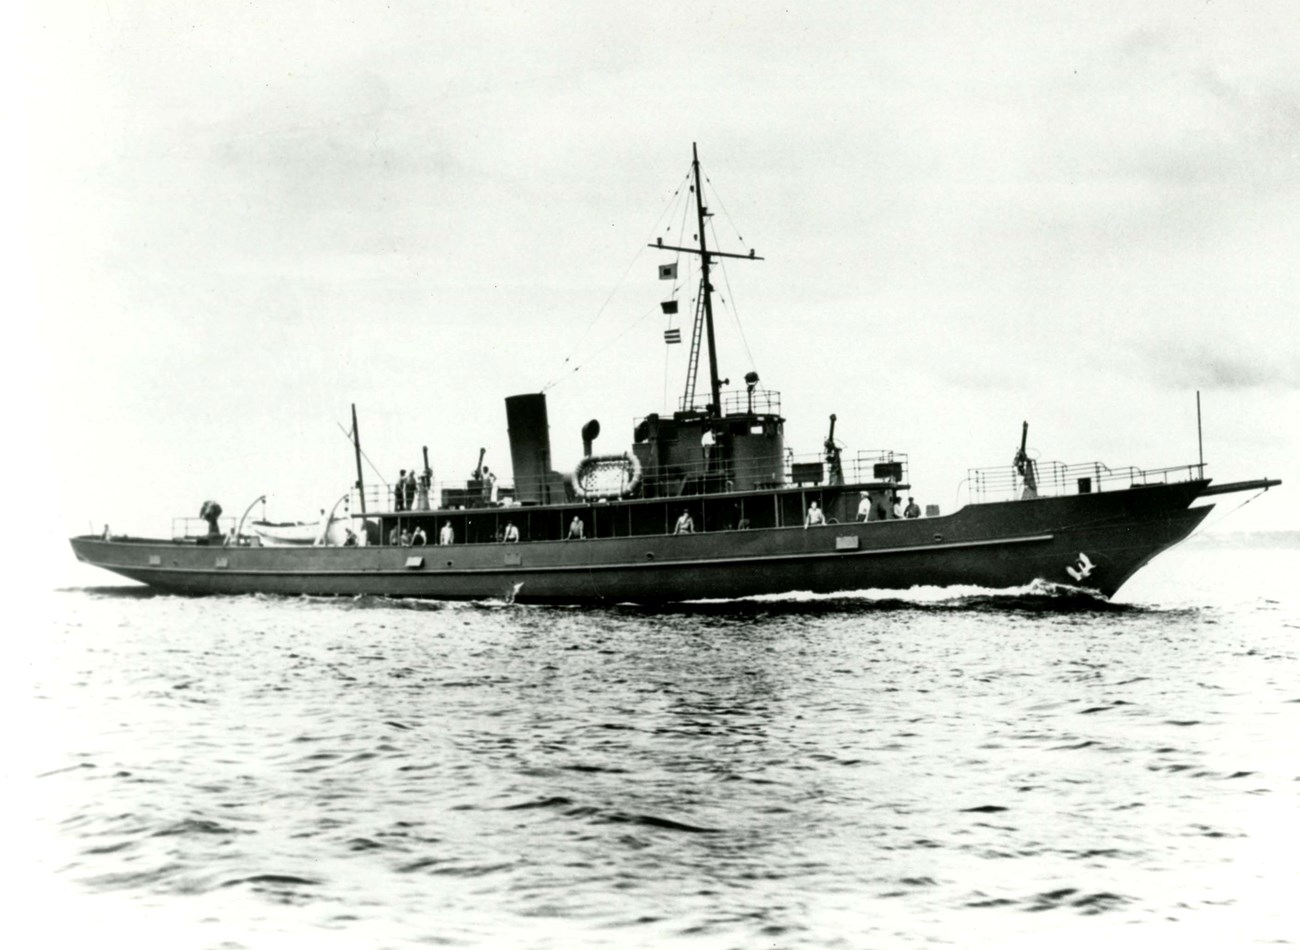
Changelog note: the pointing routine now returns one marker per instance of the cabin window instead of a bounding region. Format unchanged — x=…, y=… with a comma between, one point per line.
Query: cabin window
x=711, y=517
x=731, y=515
x=791, y=509
x=621, y=521
x=759, y=511
x=600, y=521
x=648, y=519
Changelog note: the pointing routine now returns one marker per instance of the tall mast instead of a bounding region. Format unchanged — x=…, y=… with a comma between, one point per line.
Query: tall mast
x=706, y=287
x=356, y=446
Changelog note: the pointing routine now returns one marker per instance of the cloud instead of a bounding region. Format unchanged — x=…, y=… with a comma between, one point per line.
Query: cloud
x=1244, y=365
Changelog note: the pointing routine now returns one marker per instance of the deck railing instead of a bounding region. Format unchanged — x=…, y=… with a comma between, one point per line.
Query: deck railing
x=705, y=476
x=737, y=401
x=188, y=529
x=1058, y=478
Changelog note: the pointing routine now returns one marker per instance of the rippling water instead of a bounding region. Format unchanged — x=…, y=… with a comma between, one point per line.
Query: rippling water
x=936, y=768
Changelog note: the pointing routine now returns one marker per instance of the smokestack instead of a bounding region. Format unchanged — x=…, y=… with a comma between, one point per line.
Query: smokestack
x=530, y=445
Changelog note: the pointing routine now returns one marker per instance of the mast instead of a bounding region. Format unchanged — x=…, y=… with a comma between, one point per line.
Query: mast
x=356, y=446
x=1200, y=443
x=706, y=287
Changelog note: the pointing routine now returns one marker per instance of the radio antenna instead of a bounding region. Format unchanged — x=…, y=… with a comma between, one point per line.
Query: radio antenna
x=1200, y=443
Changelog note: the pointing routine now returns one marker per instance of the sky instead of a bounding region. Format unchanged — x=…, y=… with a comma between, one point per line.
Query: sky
x=231, y=221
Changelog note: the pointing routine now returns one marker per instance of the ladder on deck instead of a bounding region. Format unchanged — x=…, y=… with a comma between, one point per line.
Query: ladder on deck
x=693, y=363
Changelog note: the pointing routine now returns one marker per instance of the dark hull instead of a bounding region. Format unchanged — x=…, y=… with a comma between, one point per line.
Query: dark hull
x=1094, y=541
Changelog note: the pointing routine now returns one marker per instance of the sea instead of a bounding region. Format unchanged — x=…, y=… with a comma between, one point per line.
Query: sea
x=923, y=768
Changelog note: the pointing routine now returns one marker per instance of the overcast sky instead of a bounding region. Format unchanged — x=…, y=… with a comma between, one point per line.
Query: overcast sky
x=236, y=219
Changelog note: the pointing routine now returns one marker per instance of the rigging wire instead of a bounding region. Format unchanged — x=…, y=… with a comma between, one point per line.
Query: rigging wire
x=678, y=283
x=1230, y=511
x=730, y=303
x=569, y=366
x=730, y=300
x=348, y=435
x=668, y=207
x=713, y=190
x=677, y=260
x=626, y=330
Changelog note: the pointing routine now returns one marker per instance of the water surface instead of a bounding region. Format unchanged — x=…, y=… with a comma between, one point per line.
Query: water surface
x=950, y=768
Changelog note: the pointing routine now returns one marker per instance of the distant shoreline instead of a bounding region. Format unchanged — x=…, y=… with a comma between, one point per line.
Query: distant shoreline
x=1246, y=539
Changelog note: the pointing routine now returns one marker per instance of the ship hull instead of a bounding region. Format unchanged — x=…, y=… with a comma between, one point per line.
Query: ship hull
x=1094, y=541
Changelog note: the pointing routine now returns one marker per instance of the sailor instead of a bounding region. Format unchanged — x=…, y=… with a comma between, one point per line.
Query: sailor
x=399, y=492
x=408, y=489
x=576, y=529
x=419, y=538
x=350, y=541
x=685, y=524
x=406, y=539
x=864, y=507
x=897, y=510
x=447, y=535
x=512, y=533
x=815, y=516
x=913, y=510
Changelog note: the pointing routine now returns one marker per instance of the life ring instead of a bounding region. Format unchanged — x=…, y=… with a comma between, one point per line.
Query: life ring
x=586, y=475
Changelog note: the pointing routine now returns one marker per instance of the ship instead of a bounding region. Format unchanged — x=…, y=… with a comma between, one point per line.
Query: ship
x=707, y=503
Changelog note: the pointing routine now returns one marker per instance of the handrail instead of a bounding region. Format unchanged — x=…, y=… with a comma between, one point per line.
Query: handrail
x=793, y=469
x=763, y=402
x=185, y=529
x=1059, y=478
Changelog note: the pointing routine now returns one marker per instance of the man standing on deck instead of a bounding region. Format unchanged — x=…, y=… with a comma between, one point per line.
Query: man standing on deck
x=447, y=535
x=408, y=490
x=685, y=524
x=399, y=492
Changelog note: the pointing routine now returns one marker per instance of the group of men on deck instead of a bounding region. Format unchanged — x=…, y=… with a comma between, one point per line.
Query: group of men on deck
x=870, y=510
x=411, y=493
